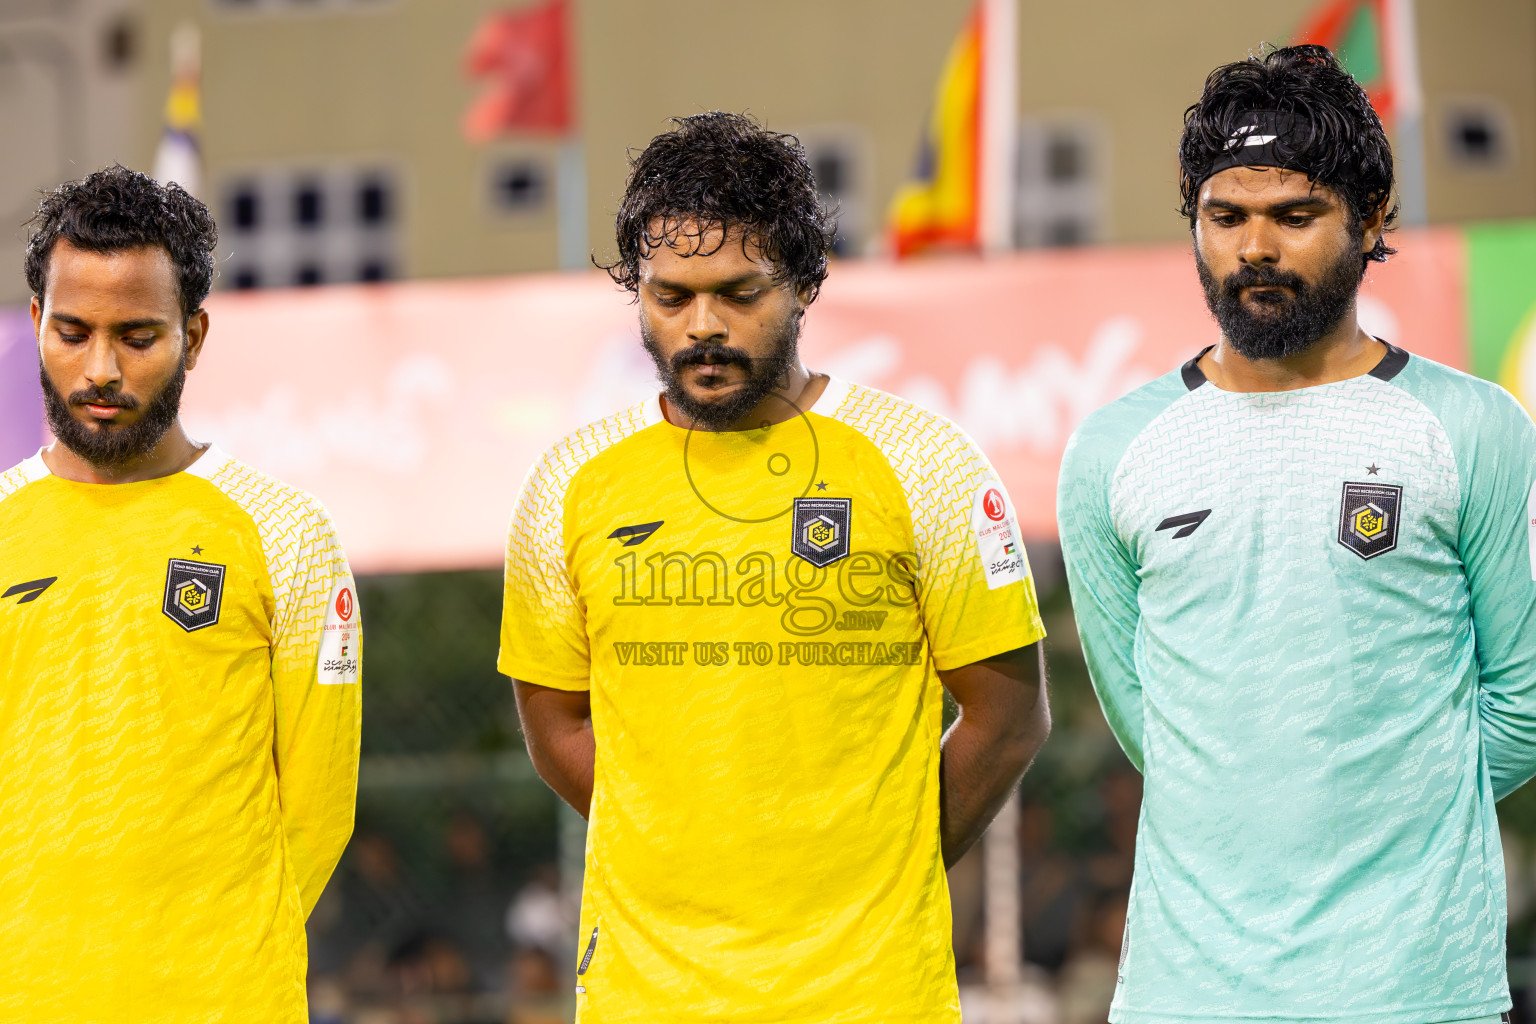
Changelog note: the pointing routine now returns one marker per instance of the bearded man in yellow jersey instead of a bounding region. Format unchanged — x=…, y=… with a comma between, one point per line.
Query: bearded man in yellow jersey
x=179, y=700
x=731, y=612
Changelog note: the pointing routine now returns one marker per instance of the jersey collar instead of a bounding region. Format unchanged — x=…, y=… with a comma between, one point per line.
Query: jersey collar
x=205, y=465
x=831, y=398
x=1390, y=366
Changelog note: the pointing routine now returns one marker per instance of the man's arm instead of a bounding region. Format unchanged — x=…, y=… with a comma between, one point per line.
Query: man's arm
x=1003, y=721
x=316, y=658
x=557, y=726
x=1104, y=583
x=1498, y=544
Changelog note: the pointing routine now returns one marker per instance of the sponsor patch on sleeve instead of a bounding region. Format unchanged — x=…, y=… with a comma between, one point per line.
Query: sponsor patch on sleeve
x=997, y=536
x=341, y=637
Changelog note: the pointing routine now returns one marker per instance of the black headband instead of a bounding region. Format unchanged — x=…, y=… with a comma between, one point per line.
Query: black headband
x=1258, y=138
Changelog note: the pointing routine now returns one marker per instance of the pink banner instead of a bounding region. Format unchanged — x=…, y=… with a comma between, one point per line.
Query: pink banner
x=21, y=396
x=414, y=410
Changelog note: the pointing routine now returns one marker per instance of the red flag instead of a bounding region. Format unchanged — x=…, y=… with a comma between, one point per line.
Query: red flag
x=1358, y=32
x=526, y=55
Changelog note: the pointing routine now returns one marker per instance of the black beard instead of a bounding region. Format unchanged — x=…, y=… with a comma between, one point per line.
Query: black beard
x=1280, y=327
x=763, y=375
x=107, y=445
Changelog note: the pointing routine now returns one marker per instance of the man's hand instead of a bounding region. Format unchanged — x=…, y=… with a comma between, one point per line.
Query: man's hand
x=1003, y=722
x=557, y=726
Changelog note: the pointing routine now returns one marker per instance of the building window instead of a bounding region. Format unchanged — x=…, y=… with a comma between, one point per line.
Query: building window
x=835, y=156
x=308, y=206
x=119, y=44
x=373, y=202
x=520, y=185
x=245, y=208
x=307, y=226
x=1064, y=159
x=1478, y=134
x=1059, y=197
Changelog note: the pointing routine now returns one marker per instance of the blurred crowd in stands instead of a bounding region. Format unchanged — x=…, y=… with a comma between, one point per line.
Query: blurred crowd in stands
x=489, y=948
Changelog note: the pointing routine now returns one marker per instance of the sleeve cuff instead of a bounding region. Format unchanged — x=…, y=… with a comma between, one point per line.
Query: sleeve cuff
x=540, y=675
x=987, y=647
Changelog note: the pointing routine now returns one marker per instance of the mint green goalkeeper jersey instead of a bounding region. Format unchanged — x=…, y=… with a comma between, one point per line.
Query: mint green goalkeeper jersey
x=1310, y=617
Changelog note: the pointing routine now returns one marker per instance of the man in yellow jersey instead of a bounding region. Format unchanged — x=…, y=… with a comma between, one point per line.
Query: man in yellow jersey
x=179, y=700
x=730, y=614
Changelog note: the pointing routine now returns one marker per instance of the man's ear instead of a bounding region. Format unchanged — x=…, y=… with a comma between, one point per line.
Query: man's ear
x=37, y=320
x=1372, y=226
x=197, y=333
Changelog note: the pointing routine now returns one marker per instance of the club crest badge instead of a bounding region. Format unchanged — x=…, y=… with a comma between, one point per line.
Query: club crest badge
x=820, y=529
x=193, y=593
x=1368, y=518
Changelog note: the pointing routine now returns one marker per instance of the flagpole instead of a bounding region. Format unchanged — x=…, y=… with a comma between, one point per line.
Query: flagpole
x=571, y=205
x=999, y=123
x=1408, y=102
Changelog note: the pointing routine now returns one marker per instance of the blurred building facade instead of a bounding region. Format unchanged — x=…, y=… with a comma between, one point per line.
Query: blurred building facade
x=334, y=151
x=70, y=93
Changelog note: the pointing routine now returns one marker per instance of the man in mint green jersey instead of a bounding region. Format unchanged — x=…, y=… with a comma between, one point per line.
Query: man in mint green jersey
x=1303, y=575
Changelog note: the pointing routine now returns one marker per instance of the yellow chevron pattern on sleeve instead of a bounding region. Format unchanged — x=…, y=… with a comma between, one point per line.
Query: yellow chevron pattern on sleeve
x=945, y=478
x=13, y=480
x=304, y=557
x=538, y=586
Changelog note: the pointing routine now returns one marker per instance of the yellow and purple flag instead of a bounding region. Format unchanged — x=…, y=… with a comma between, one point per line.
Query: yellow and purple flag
x=179, y=156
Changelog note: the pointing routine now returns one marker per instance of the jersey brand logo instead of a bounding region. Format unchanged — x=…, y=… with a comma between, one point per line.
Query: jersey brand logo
x=632, y=535
x=1368, y=518
x=820, y=529
x=1187, y=523
x=193, y=593
x=30, y=590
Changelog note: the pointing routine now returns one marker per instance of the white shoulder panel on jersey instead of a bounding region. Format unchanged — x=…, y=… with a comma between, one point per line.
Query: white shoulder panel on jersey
x=959, y=507
x=25, y=472
x=536, y=536
x=312, y=585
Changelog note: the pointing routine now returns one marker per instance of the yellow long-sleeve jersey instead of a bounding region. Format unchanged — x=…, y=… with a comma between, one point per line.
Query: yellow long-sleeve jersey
x=179, y=728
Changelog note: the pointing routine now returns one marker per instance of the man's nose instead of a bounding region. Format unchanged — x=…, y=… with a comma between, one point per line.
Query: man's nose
x=101, y=366
x=1258, y=244
x=706, y=324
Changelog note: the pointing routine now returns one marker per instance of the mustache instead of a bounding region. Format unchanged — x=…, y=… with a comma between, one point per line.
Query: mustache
x=97, y=395
x=1250, y=276
x=701, y=354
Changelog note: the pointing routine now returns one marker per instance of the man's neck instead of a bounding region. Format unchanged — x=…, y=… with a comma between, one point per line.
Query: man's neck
x=1341, y=354
x=175, y=452
x=800, y=391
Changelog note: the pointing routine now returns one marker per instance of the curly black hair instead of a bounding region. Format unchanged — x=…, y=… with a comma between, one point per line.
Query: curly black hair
x=722, y=170
x=1337, y=141
x=115, y=209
